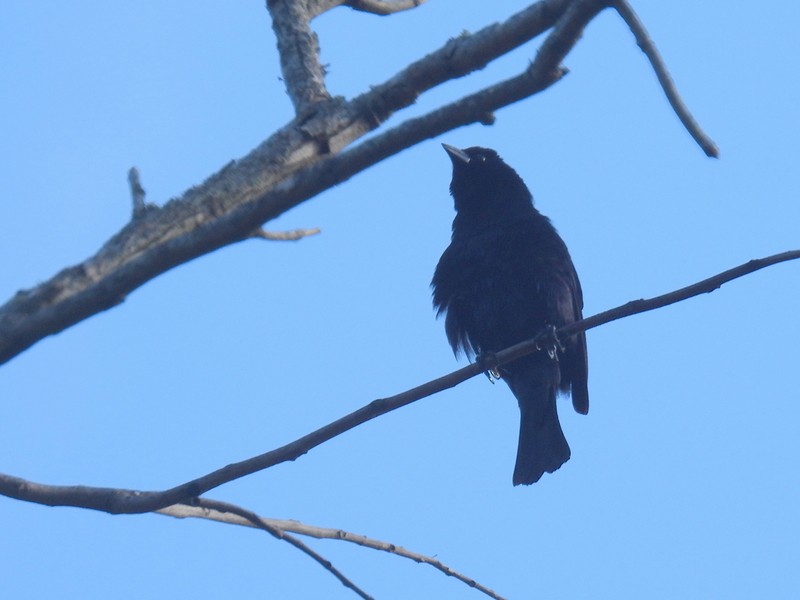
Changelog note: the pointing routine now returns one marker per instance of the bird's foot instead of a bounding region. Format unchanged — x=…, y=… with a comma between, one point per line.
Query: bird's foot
x=550, y=343
x=488, y=361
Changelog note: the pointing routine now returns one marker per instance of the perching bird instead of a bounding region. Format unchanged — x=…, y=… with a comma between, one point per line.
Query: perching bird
x=506, y=276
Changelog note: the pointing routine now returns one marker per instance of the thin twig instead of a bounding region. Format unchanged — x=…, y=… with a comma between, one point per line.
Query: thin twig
x=117, y=501
x=644, y=42
x=279, y=533
x=184, y=510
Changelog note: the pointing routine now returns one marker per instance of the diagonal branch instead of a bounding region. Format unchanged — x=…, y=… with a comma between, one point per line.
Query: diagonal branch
x=131, y=501
x=667, y=84
x=204, y=509
x=234, y=202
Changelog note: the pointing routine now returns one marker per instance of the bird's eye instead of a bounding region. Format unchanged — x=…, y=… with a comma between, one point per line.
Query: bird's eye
x=481, y=158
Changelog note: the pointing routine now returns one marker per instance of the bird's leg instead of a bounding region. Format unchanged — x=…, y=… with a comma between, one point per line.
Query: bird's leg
x=488, y=362
x=549, y=341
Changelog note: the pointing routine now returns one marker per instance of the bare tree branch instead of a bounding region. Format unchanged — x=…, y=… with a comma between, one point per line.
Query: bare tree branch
x=204, y=510
x=234, y=202
x=255, y=521
x=131, y=501
x=668, y=85
x=298, y=47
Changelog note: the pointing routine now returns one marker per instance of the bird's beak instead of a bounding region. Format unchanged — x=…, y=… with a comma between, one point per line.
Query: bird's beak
x=456, y=155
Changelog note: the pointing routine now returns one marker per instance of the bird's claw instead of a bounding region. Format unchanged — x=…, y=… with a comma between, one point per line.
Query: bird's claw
x=488, y=361
x=492, y=375
x=550, y=342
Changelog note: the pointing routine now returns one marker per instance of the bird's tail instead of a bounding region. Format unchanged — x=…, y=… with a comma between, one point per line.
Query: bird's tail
x=542, y=445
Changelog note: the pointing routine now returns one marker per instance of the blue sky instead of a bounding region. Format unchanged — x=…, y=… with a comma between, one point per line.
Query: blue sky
x=683, y=480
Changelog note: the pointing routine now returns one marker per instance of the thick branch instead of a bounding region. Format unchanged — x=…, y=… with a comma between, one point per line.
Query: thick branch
x=234, y=202
x=131, y=501
x=667, y=84
x=204, y=508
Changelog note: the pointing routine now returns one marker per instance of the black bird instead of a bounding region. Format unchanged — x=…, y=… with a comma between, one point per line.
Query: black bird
x=506, y=276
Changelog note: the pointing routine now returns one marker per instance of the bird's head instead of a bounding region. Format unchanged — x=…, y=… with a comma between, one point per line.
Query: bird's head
x=484, y=184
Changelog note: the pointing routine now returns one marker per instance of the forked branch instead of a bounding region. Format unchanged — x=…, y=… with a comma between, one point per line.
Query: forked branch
x=203, y=508
x=280, y=533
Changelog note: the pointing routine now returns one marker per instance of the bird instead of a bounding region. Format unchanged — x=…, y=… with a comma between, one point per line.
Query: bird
x=505, y=277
